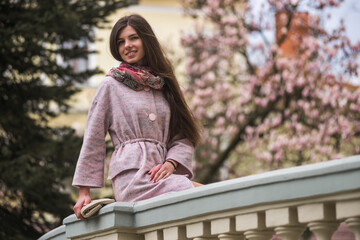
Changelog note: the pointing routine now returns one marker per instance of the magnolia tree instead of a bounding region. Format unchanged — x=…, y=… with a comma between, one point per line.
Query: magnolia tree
x=260, y=103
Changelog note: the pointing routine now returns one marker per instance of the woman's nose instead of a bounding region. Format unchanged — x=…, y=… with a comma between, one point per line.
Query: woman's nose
x=127, y=44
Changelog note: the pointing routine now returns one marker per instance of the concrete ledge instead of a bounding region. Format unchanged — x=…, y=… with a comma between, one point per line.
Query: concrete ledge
x=115, y=215
x=56, y=234
x=281, y=185
x=304, y=182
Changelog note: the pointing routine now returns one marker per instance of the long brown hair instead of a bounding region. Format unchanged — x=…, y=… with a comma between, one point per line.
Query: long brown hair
x=182, y=120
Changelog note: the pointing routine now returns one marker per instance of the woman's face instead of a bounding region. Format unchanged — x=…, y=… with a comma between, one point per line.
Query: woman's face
x=130, y=46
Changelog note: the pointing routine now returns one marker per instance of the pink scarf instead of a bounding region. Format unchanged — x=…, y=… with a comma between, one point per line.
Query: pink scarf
x=136, y=77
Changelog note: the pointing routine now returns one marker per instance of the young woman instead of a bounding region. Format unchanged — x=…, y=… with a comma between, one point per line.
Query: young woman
x=141, y=106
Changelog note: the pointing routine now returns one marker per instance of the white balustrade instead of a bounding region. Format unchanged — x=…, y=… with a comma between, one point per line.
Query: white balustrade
x=175, y=233
x=253, y=226
x=350, y=212
x=154, y=235
x=199, y=231
x=354, y=225
x=285, y=223
x=283, y=202
x=320, y=218
x=224, y=228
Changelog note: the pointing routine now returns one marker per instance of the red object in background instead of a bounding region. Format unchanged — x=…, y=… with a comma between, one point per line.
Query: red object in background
x=291, y=28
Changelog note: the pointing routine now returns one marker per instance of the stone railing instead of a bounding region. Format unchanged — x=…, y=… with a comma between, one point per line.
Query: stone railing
x=282, y=203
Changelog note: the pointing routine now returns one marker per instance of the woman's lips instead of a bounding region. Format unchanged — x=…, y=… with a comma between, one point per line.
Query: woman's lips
x=131, y=54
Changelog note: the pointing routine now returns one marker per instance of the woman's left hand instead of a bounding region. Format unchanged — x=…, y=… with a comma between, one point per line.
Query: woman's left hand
x=161, y=171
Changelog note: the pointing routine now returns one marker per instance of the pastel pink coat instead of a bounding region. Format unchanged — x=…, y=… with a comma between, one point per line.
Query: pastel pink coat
x=138, y=124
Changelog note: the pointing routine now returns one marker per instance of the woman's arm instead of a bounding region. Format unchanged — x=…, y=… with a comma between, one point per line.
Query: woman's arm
x=90, y=165
x=181, y=151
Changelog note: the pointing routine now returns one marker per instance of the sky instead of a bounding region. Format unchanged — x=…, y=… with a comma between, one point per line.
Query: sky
x=349, y=10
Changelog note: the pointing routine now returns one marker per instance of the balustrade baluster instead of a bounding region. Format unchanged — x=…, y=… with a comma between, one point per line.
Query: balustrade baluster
x=154, y=235
x=175, y=233
x=253, y=226
x=258, y=234
x=320, y=218
x=285, y=223
x=354, y=225
x=225, y=229
x=289, y=232
x=350, y=212
x=323, y=230
x=199, y=231
x=226, y=236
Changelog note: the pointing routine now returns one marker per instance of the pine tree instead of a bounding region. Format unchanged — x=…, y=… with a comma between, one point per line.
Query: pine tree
x=39, y=38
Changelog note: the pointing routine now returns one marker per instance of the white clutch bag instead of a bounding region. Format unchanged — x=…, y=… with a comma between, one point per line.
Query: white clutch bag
x=94, y=206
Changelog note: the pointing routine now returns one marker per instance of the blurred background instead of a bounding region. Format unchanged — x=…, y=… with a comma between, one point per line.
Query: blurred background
x=274, y=83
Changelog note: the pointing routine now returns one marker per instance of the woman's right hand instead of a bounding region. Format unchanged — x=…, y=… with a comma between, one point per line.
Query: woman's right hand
x=84, y=199
x=161, y=171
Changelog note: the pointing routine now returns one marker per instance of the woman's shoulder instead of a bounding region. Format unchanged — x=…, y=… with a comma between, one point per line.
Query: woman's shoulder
x=106, y=87
x=113, y=88
x=108, y=81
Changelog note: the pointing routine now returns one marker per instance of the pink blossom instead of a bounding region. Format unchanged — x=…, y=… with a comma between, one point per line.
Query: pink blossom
x=277, y=120
x=299, y=103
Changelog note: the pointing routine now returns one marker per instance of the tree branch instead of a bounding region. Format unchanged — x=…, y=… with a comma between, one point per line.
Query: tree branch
x=209, y=175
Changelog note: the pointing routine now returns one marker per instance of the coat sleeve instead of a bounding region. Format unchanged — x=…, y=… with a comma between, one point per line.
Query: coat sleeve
x=90, y=166
x=181, y=150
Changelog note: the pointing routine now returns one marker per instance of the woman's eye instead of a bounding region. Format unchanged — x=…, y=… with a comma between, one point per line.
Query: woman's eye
x=120, y=42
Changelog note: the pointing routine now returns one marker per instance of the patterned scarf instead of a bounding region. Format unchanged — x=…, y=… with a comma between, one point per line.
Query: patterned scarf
x=136, y=77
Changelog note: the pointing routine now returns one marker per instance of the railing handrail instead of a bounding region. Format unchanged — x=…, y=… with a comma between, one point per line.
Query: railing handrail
x=303, y=182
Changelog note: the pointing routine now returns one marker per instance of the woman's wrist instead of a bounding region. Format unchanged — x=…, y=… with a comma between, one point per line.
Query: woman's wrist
x=84, y=191
x=173, y=163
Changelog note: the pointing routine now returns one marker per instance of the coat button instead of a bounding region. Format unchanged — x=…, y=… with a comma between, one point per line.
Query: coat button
x=152, y=117
x=147, y=89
